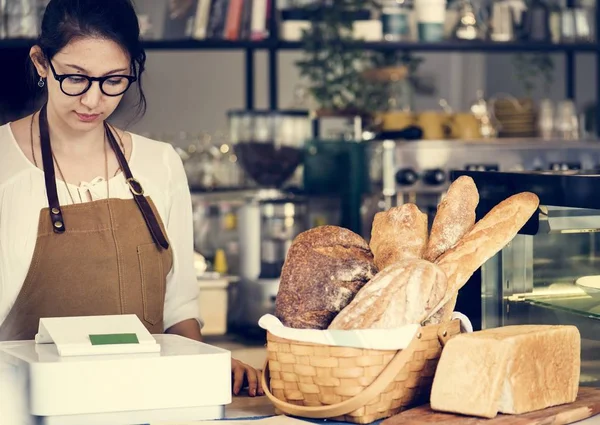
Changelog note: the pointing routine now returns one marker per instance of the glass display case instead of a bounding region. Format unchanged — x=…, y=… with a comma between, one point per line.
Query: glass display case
x=550, y=272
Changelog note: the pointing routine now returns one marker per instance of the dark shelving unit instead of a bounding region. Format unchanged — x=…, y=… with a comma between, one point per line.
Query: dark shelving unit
x=273, y=45
x=383, y=46
x=463, y=46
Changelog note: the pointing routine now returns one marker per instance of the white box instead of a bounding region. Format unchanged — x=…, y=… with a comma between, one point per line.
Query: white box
x=186, y=380
x=213, y=301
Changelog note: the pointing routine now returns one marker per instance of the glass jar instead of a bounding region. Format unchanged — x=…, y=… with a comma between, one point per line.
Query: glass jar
x=269, y=144
x=395, y=20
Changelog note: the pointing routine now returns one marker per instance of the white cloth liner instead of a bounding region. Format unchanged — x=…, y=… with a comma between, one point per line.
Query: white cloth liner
x=376, y=339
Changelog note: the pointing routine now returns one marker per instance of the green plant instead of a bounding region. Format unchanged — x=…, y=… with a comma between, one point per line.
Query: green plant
x=333, y=63
x=530, y=68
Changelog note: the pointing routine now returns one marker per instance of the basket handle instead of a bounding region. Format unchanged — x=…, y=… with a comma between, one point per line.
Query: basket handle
x=386, y=376
x=444, y=334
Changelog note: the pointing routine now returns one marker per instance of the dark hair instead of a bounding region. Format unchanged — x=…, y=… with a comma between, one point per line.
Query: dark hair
x=116, y=20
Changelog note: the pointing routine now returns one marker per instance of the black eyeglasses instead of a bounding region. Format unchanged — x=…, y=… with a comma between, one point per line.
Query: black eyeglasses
x=78, y=84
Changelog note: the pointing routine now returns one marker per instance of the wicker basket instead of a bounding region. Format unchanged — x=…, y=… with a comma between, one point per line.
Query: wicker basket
x=352, y=384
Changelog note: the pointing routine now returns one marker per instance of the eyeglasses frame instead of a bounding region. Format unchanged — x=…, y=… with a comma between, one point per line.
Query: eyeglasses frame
x=61, y=77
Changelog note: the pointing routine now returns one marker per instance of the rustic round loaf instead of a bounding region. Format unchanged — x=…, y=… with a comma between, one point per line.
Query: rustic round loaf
x=324, y=269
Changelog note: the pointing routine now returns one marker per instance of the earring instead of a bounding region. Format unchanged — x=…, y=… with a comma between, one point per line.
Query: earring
x=41, y=83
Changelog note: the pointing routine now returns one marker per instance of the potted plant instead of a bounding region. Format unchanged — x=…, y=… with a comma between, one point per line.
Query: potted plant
x=517, y=115
x=333, y=63
x=530, y=68
x=339, y=73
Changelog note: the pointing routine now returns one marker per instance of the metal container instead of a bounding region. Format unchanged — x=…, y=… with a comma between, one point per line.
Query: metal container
x=269, y=220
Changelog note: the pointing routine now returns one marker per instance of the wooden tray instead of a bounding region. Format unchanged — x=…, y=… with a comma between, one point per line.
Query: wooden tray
x=586, y=406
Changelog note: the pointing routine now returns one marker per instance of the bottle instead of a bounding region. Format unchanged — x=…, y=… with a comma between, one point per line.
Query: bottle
x=220, y=263
x=228, y=238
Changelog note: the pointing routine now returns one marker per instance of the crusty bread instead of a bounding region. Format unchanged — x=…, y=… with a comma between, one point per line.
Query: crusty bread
x=324, y=269
x=455, y=216
x=510, y=370
x=397, y=234
x=489, y=235
x=330, y=236
x=401, y=294
x=444, y=314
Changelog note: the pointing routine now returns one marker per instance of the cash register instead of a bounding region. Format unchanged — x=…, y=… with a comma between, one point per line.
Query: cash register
x=101, y=370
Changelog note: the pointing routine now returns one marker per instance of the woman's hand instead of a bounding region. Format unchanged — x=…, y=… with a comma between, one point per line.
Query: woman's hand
x=242, y=373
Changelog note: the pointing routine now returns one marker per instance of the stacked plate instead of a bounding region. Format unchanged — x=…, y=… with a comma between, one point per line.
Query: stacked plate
x=516, y=117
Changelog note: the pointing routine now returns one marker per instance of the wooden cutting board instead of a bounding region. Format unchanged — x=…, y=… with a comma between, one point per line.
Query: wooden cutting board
x=586, y=406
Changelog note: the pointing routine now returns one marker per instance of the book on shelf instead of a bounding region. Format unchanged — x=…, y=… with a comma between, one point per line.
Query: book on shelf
x=232, y=20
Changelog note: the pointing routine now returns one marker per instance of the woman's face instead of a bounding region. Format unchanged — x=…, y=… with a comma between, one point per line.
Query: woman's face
x=94, y=57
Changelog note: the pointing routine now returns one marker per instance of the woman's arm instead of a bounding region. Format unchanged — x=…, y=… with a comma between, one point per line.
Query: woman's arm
x=182, y=288
x=188, y=328
x=181, y=302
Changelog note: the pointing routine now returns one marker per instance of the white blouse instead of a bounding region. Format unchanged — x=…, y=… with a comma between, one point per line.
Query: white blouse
x=23, y=194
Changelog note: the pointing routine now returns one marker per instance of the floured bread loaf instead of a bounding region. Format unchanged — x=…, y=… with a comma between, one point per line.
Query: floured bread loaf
x=454, y=217
x=397, y=234
x=510, y=370
x=324, y=269
x=401, y=294
x=485, y=239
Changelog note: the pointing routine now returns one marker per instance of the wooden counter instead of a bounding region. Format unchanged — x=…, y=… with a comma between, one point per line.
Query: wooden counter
x=249, y=407
x=246, y=407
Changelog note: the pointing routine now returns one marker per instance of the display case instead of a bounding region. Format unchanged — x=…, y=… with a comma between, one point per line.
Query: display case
x=550, y=272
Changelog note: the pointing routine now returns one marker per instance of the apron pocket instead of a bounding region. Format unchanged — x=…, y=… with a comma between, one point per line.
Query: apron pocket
x=153, y=282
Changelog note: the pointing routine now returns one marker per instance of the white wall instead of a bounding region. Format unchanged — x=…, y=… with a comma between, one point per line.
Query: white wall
x=192, y=90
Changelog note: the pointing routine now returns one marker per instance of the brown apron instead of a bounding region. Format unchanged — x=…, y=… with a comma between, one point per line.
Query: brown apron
x=103, y=257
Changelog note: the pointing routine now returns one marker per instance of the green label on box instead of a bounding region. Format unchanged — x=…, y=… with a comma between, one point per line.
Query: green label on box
x=111, y=339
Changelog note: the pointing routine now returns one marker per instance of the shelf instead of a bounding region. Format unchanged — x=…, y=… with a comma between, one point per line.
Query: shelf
x=23, y=43
x=470, y=46
x=15, y=43
x=585, y=305
x=444, y=46
x=206, y=44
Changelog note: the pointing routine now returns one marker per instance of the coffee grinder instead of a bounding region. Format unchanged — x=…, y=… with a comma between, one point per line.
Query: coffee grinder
x=270, y=147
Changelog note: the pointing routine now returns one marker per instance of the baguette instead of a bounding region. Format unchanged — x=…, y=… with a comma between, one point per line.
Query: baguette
x=399, y=295
x=489, y=235
x=454, y=218
x=398, y=234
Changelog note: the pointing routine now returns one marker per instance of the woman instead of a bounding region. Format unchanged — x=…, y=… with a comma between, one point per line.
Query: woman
x=94, y=220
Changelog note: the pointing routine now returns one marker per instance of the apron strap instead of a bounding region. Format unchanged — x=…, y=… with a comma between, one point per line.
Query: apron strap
x=58, y=224
x=138, y=193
